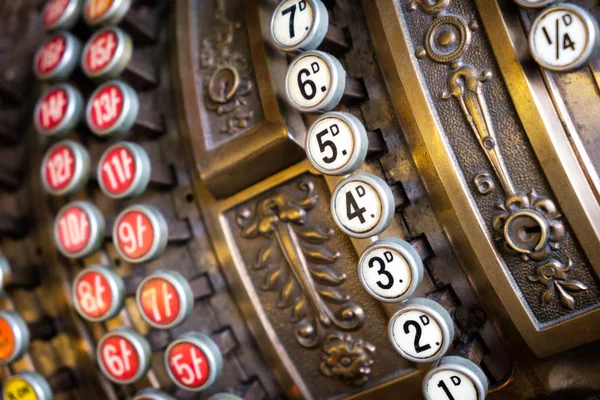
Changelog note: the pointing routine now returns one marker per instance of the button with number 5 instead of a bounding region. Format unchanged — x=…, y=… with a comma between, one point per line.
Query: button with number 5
x=421, y=330
x=65, y=168
x=140, y=233
x=315, y=81
x=299, y=25
x=112, y=109
x=337, y=143
x=78, y=229
x=390, y=269
x=193, y=361
x=455, y=378
x=123, y=356
x=124, y=170
x=362, y=205
x=98, y=293
x=165, y=299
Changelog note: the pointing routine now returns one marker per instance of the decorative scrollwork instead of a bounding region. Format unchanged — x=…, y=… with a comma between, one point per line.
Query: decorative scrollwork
x=553, y=274
x=447, y=39
x=347, y=359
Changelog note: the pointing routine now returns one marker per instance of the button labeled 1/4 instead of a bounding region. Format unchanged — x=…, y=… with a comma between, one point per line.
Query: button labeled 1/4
x=98, y=293
x=299, y=24
x=58, y=111
x=124, y=170
x=454, y=378
x=78, y=229
x=65, y=168
x=123, y=356
x=336, y=143
x=421, y=330
x=390, y=269
x=563, y=37
x=140, y=233
x=362, y=205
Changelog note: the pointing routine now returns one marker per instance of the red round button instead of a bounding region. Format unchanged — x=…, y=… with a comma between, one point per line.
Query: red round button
x=74, y=229
x=160, y=301
x=118, y=170
x=188, y=365
x=135, y=234
x=53, y=109
x=120, y=358
x=51, y=54
x=93, y=295
x=54, y=11
x=60, y=167
x=107, y=105
x=101, y=51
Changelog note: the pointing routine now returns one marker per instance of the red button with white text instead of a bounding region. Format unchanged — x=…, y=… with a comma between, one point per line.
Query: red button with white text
x=124, y=170
x=107, y=53
x=57, y=57
x=123, y=355
x=65, y=168
x=112, y=109
x=165, y=299
x=98, y=293
x=193, y=361
x=140, y=233
x=61, y=14
x=58, y=111
x=78, y=229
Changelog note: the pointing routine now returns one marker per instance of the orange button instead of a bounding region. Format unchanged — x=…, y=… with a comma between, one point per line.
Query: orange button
x=7, y=340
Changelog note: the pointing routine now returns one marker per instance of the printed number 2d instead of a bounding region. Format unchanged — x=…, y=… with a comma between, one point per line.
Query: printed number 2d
x=418, y=332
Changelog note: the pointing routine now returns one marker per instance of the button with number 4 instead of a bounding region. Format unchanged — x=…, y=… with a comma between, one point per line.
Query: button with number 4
x=61, y=14
x=124, y=170
x=455, y=378
x=78, y=229
x=112, y=109
x=57, y=57
x=165, y=299
x=140, y=233
x=14, y=337
x=563, y=37
x=152, y=394
x=98, y=293
x=65, y=168
x=362, y=205
x=337, y=143
x=105, y=12
x=106, y=53
x=299, y=25
x=421, y=330
x=123, y=356
x=27, y=386
x=390, y=269
x=58, y=111
x=193, y=361
x=315, y=81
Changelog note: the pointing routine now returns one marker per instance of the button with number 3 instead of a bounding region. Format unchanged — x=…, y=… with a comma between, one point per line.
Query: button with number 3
x=124, y=170
x=140, y=233
x=299, y=25
x=421, y=330
x=65, y=168
x=78, y=229
x=390, y=269
x=106, y=53
x=58, y=111
x=336, y=143
x=165, y=299
x=193, y=361
x=123, y=356
x=315, y=81
x=112, y=109
x=98, y=293
x=362, y=205
x=563, y=37
x=455, y=378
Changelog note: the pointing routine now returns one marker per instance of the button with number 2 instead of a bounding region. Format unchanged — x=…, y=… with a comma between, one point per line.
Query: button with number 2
x=78, y=229
x=124, y=170
x=140, y=233
x=299, y=25
x=455, y=378
x=123, y=356
x=65, y=168
x=98, y=293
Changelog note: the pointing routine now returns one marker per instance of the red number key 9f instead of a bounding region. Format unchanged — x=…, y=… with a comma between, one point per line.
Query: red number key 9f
x=65, y=168
x=193, y=361
x=123, y=355
x=98, y=293
x=58, y=111
x=140, y=233
x=124, y=170
x=78, y=229
x=112, y=109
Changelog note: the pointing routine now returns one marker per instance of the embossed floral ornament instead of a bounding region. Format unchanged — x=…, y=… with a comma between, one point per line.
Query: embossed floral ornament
x=553, y=274
x=347, y=359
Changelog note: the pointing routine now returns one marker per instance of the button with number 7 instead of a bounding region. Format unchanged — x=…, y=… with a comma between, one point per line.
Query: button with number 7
x=193, y=361
x=165, y=299
x=124, y=355
x=98, y=293
x=455, y=378
x=140, y=233
x=124, y=170
x=78, y=229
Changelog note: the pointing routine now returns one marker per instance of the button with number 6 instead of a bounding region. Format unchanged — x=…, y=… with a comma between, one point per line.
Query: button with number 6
x=112, y=109
x=362, y=205
x=65, y=168
x=14, y=337
x=299, y=25
x=315, y=81
x=152, y=394
x=390, y=269
x=98, y=293
x=27, y=386
x=421, y=330
x=140, y=233
x=124, y=170
x=165, y=299
x=78, y=229
x=123, y=356
x=58, y=111
x=455, y=378
x=57, y=57
x=193, y=361
x=336, y=143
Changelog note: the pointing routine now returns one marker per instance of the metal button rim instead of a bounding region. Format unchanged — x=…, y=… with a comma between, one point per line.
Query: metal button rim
x=115, y=13
x=316, y=34
x=143, y=168
x=80, y=174
x=540, y=4
x=115, y=285
x=465, y=367
x=73, y=113
x=119, y=60
x=36, y=381
x=142, y=348
x=67, y=63
x=129, y=113
x=68, y=18
x=20, y=333
x=152, y=394
x=5, y=275
x=97, y=226
x=159, y=225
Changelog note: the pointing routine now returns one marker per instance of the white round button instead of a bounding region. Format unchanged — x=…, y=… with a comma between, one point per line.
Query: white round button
x=140, y=233
x=299, y=25
x=78, y=229
x=390, y=269
x=57, y=57
x=98, y=293
x=535, y=3
x=315, y=81
x=14, y=337
x=112, y=109
x=65, y=168
x=563, y=37
x=152, y=394
x=421, y=330
x=124, y=170
x=454, y=378
x=107, y=53
x=58, y=111
x=105, y=12
x=123, y=356
x=61, y=14
x=27, y=385
x=337, y=143
x=165, y=299
x=362, y=205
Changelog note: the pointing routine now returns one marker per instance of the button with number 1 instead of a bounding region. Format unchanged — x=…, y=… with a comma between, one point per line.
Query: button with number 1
x=193, y=361
x=58, y=111
x=61, y=14
x=78, y=229
x=106, y=53
x=57, y=57
x=98, y=293
x=299, y=25
x=27, y=385
x=124, y=170
x=112, y=109
x=65, y=168
x=140, y=233
x=123, y=356
x=455, y=378
x=362, y=205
